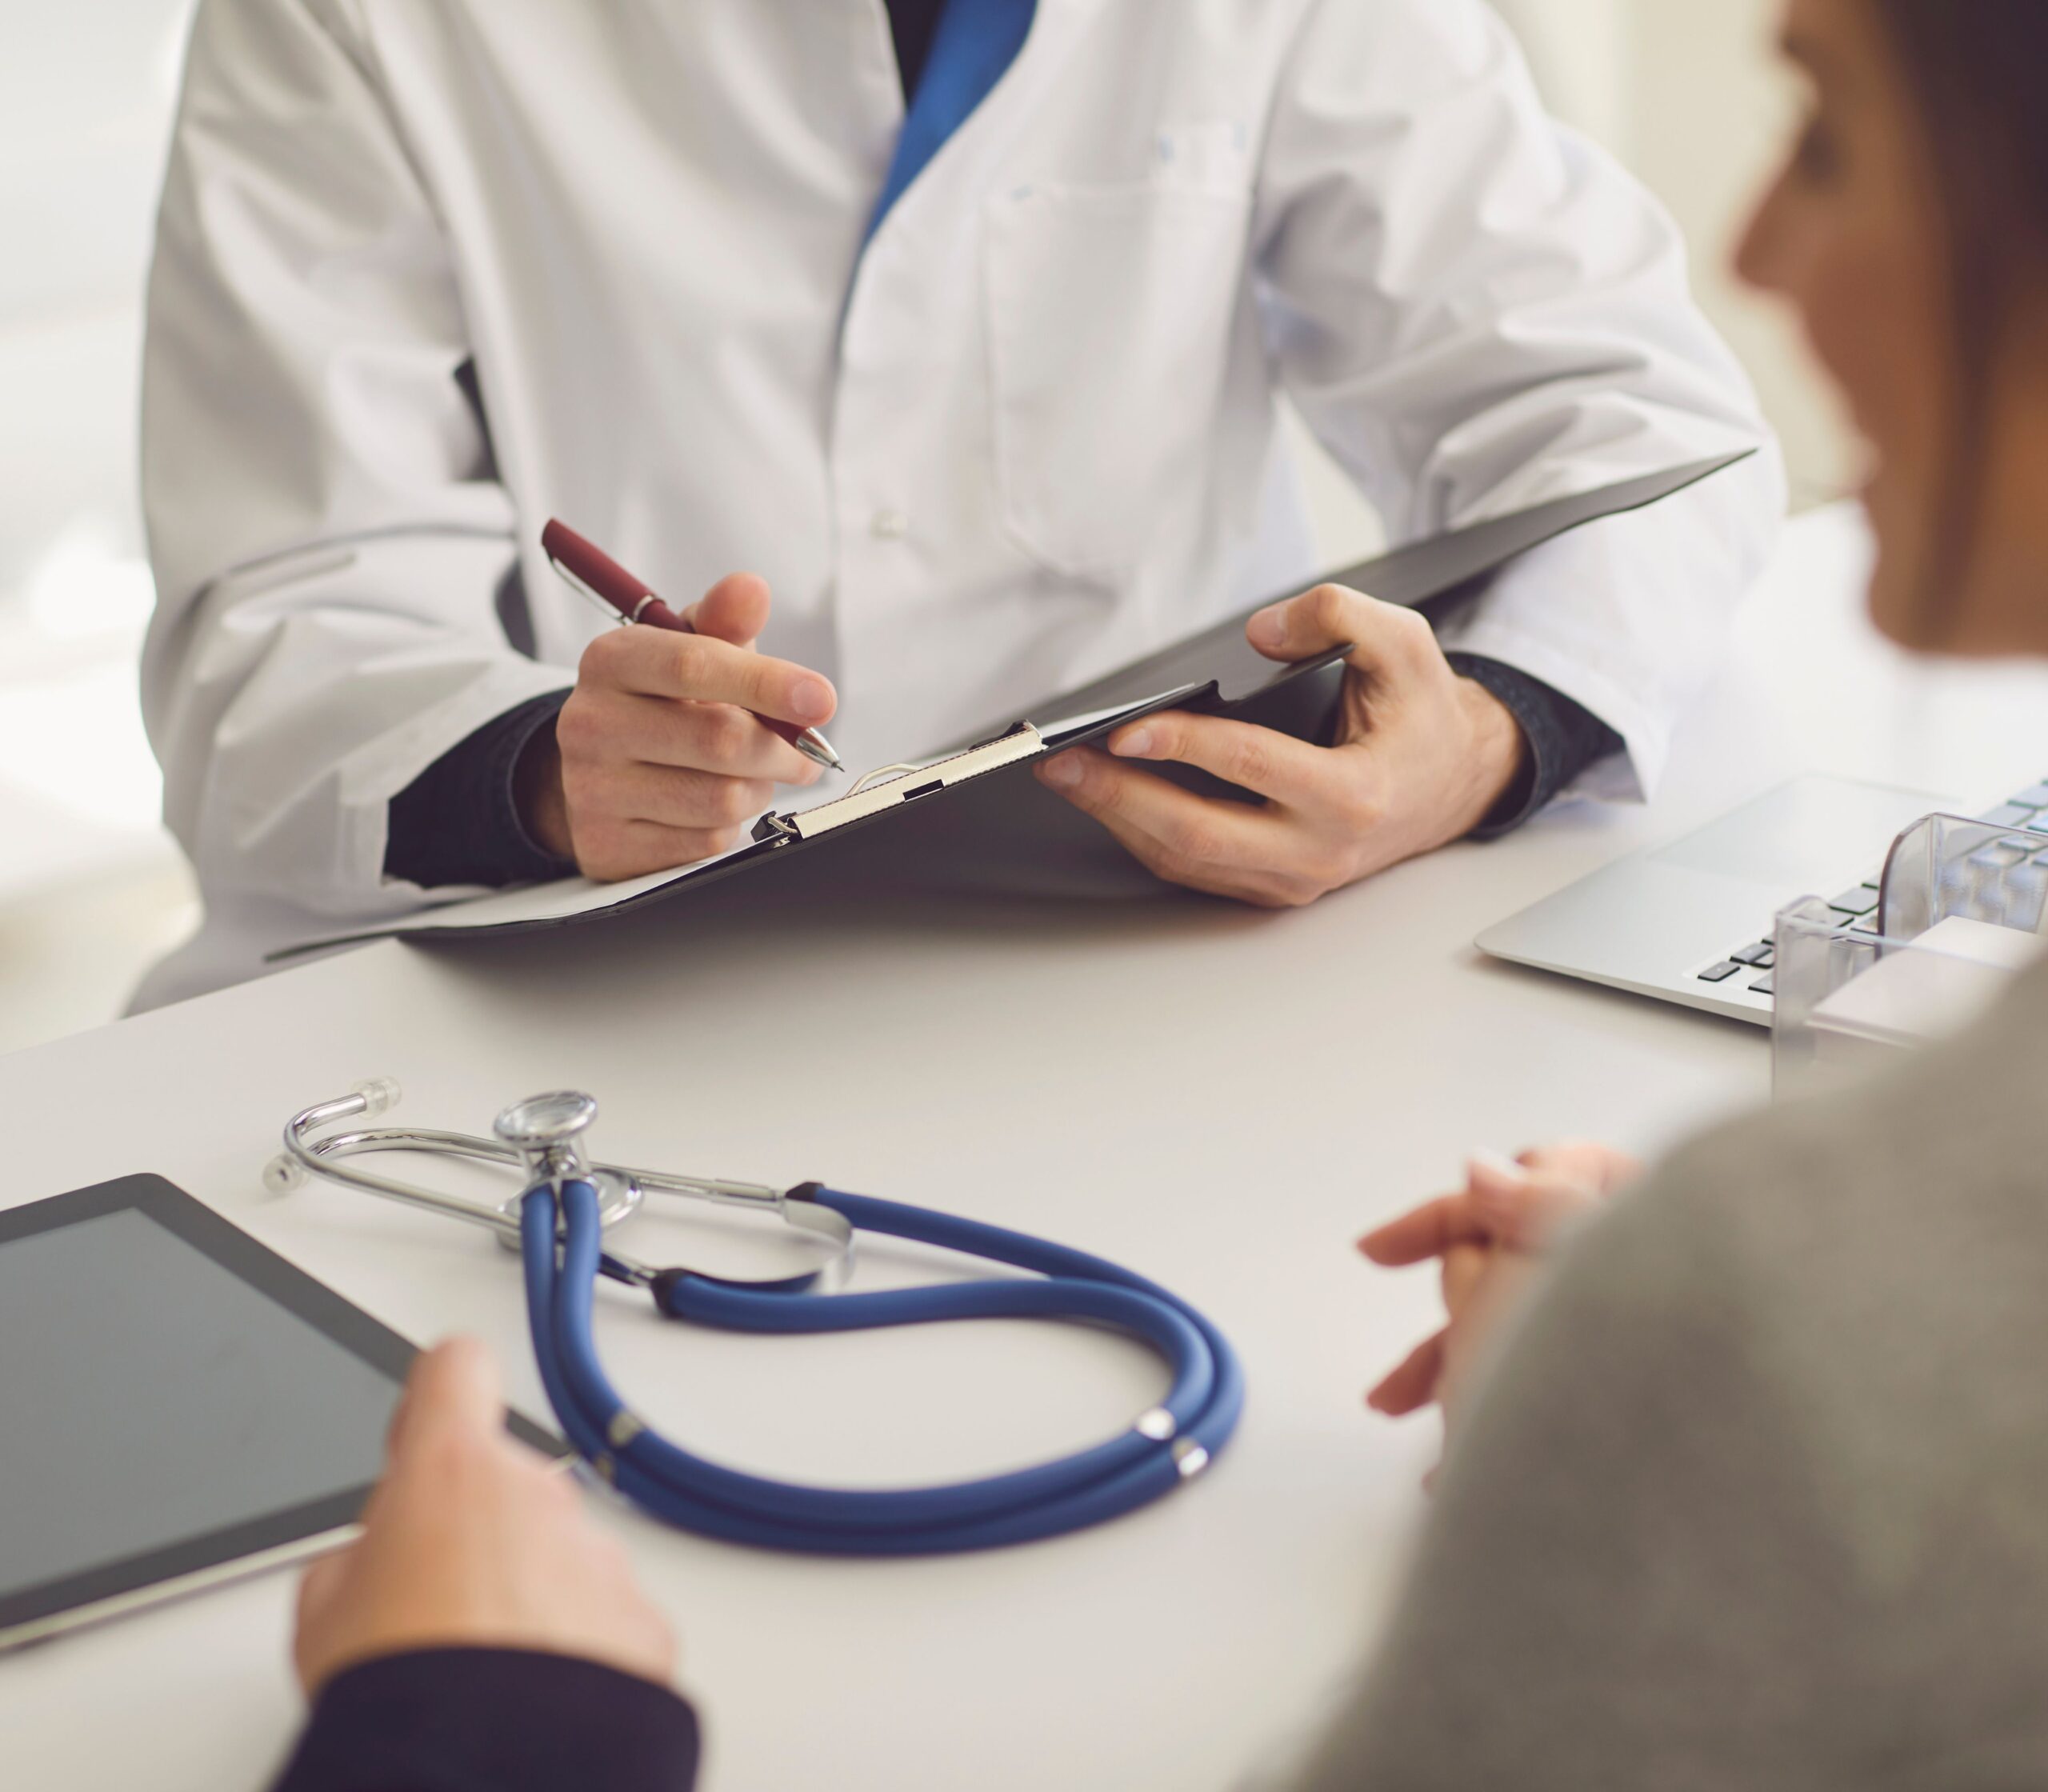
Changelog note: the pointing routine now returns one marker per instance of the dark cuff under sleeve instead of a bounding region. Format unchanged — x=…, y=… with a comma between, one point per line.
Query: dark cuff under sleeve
x=459, y=820
x=1563, y=739
x=493, y=1720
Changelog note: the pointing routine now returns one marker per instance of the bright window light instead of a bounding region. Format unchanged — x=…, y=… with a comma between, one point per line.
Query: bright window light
x=77, y=742
x=84, y=588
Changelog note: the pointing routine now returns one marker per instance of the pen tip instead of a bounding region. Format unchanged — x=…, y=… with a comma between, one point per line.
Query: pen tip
x=815, y=747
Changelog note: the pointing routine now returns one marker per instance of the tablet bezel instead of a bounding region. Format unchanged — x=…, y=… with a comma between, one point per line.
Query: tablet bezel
x=130, y=1583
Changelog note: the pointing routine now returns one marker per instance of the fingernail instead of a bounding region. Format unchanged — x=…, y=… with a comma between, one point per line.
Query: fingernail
x=1484, y=1162
x=811, y=698
x=1134, y=745
x=1063, y=773
x=1269, y=628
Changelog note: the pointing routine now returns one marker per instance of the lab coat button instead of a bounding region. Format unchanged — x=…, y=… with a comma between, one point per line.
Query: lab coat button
x=889, y=525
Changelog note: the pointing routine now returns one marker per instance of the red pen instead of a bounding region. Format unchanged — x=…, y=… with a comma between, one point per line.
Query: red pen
x=591, y=571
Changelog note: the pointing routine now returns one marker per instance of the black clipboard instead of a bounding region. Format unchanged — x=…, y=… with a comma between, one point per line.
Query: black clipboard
x=974, y=818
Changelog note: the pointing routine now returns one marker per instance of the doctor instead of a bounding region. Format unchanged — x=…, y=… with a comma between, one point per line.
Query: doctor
x=963, y=327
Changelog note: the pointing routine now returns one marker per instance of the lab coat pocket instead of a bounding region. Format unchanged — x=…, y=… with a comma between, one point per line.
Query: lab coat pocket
x=1110, y=314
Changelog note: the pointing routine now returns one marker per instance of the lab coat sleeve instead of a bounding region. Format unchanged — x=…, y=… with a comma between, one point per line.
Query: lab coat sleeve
x=327, y=532
x=1477, y=310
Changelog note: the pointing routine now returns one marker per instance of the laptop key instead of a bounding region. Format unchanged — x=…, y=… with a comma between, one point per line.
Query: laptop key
x=1764, y=986
x=1721, y=973
x=2035, y=799
x=2008, y=814
x=1758, y=958
x=2002, y=855
x=1859, y=901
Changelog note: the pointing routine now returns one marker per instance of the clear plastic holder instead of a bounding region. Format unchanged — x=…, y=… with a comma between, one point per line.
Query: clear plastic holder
x=1961, y=909
x=1946, y=865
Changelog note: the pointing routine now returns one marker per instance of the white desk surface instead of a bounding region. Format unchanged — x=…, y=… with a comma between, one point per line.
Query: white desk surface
x=1222, y=1098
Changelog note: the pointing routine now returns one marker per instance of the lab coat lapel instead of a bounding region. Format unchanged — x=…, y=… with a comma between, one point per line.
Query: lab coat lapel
x=946, y=185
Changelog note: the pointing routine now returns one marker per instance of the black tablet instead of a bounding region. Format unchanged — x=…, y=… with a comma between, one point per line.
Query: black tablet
x=178, y=1406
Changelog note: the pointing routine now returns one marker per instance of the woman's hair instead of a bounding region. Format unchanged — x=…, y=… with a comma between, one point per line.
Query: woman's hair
x=1979, y=71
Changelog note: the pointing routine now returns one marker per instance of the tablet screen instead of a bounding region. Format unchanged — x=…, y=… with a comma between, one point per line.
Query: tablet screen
x=173, y=1398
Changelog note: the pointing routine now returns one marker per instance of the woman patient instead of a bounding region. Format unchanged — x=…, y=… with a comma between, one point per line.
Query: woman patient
x=1754, y=1492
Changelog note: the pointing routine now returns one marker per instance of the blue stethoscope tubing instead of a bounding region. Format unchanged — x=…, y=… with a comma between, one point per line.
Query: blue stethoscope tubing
x=562, y=1249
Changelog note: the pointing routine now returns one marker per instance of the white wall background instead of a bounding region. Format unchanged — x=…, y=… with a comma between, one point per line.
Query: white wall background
x=91, y=887
x=90, y=890
x=1691, y=95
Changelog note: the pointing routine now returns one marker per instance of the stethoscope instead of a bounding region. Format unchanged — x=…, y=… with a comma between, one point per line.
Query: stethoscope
x=557, y=1223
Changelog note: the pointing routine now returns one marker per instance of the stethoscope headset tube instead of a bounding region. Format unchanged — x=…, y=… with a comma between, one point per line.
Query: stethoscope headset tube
x=560, y=1219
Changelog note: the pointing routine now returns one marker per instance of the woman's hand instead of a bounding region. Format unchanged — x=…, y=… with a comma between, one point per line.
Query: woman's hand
x=1422, y=757
x=658, y=759
x=472, y=1540
x=1489, y=1238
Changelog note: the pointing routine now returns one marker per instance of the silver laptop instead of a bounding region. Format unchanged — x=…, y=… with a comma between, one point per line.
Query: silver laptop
x=1691, y=922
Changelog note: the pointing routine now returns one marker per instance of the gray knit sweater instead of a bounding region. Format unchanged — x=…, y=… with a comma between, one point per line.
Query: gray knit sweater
x=1757, y=1495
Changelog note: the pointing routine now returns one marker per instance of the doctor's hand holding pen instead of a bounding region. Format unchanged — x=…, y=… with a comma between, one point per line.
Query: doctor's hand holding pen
x=669, y=744
x=1421, y=758
x=1491, y=1238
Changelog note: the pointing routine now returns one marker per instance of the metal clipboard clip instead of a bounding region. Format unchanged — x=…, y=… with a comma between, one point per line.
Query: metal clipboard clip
x=893, y=787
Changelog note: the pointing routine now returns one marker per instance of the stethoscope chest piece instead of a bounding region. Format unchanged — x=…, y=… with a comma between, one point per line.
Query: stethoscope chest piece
x=543, y=1125
x=547, y=1131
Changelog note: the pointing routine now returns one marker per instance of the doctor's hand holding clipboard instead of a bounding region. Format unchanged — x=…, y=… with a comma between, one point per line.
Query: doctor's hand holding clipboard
x=1421, y=758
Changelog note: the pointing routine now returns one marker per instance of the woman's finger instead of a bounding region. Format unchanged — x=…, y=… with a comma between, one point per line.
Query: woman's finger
x=1599, y=1169
x=1520, y=1208
x=1425, y=1232
x=1465, y=1268
x=1413, y=1385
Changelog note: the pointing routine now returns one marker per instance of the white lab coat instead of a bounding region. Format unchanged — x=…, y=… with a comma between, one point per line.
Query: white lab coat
x=1026, y=435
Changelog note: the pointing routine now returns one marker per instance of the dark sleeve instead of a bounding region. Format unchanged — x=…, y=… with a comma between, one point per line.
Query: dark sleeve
x=1563, y=739
x=458, y=822
x=493, y=1720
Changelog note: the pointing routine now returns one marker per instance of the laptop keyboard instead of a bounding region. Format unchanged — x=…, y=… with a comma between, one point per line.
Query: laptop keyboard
x=1858, y=906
